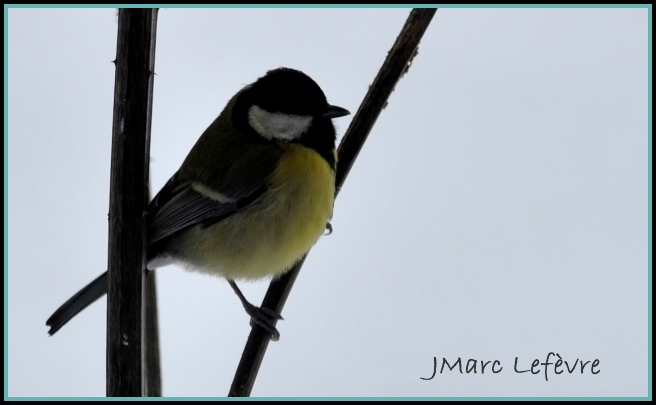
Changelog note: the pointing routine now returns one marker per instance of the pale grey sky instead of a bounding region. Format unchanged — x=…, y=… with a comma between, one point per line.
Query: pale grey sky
x=499, y=208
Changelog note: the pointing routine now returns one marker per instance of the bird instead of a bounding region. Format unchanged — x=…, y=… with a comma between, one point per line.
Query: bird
x=251, y=198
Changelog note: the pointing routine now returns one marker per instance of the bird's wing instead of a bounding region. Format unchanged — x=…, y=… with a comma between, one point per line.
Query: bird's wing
x=188, y=199
x=237, y=179
x=189, y=204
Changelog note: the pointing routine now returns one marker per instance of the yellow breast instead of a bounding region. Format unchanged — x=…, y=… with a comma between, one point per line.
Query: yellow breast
x=274, y=232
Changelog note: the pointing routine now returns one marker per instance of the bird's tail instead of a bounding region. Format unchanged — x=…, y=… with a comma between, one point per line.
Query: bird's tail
x=85, y=297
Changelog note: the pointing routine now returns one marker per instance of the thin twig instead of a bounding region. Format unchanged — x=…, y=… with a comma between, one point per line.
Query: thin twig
x=395, y=66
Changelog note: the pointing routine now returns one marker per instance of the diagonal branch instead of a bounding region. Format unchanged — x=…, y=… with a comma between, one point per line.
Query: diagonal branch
x=395, y=66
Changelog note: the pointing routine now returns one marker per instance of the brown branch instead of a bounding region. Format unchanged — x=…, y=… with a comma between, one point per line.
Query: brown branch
x=135, y=60
x=395, y=66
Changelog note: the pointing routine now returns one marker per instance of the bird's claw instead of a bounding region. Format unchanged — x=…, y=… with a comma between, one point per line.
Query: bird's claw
x=266, y=318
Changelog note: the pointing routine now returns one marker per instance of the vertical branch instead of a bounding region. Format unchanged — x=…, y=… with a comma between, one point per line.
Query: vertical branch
x=153, y=365
x=135, y=60
x=395, y=66
x=153, y=361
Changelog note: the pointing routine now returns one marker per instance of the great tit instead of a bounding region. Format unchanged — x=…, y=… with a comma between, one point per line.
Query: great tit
x=254, y=194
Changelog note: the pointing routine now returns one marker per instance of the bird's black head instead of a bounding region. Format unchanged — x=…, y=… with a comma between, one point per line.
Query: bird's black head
x=288, y=91
x=286, y=104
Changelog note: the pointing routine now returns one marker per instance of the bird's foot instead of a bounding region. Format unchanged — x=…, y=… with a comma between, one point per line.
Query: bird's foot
x=266, y=318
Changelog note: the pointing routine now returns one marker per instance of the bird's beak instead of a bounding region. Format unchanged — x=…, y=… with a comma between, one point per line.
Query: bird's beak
x=332, y=111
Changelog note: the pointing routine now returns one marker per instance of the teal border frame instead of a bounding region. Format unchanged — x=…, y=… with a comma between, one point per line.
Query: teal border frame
x=650, y=132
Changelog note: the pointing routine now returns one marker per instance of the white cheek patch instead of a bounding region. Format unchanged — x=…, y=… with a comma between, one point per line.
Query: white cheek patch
x=278, y=125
